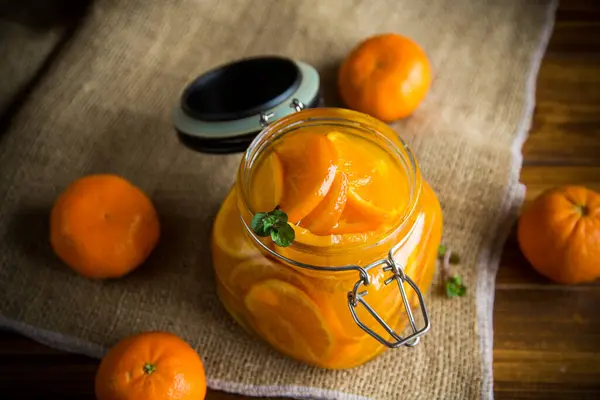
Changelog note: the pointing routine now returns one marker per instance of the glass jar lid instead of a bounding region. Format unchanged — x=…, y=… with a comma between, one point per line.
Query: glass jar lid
x=224, y=109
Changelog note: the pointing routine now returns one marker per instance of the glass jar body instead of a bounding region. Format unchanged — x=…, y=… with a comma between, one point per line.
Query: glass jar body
x=302, y=312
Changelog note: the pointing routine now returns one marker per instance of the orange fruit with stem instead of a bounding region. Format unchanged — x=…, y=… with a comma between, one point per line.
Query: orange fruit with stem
x=386, y=76
x=151, y=366
x=102, y=226
x=559, y=234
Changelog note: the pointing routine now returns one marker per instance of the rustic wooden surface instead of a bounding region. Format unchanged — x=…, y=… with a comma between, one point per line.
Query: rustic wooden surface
x=547, y=337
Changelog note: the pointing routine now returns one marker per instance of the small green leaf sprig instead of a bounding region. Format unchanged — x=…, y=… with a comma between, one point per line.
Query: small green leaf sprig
x=453, y=282
x=275, y=224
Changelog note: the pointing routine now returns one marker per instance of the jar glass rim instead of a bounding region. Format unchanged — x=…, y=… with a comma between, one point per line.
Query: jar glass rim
x=340, y=117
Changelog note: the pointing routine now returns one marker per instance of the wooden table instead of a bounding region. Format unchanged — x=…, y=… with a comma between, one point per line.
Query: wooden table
x=547, y=337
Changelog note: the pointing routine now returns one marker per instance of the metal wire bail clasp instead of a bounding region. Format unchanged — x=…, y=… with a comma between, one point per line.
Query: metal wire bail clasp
x=356, y=297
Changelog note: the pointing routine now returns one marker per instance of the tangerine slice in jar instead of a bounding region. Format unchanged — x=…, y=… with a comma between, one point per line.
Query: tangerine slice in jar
x=229, y=233
x=377, y=190
x=250, y=272
x=327, y=214
x=306, y=237
x=288, y=319
x=361, y=216
x=269, y=179
x=309, y=166
x=361, y=208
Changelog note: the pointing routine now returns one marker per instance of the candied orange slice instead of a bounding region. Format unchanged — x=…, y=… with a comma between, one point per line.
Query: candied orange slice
x=267, y=183
x=327, y=214
x=306, y=237
x=358, y=206
x=377, y=185
x=309, y=165
x=362, y=216
x=289, y=320
x=253, y=271
x=322, y=244
x=357, y=157
x=229, y=233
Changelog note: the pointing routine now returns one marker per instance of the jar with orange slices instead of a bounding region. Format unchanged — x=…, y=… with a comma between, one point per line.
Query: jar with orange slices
x=327, y=243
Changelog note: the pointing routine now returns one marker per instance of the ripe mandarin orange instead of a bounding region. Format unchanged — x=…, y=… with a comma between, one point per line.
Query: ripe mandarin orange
x=560, y=234
x=151, y=366
x=102, y=226
x=386, y=76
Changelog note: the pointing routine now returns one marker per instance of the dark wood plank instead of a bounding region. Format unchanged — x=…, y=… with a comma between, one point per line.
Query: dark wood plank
x=566, y=124
x=541, y=178
x=29, y=369
x=547, y=336
x=576, y=28
x=545, y=391
x=547, y=341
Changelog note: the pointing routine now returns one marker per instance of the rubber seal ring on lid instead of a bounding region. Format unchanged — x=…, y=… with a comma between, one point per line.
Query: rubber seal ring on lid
x=219, y=112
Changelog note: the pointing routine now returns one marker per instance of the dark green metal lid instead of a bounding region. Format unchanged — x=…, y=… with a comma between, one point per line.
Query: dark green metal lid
x=224, y=109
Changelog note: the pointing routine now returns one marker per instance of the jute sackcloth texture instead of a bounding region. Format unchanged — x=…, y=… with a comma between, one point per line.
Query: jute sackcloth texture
x=106, y=107
x=32, y=33
x=23, y=53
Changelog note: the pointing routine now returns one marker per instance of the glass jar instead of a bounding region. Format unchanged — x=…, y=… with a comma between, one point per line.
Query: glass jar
x=333, y=301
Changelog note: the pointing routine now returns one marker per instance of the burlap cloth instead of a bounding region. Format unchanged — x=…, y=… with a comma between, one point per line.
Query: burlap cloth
x=32, y=33
x=23, y=53
x=106, y=107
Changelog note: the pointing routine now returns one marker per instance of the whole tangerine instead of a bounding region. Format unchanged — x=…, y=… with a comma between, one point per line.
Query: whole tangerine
x=386, y=76
x=151, y=366
x=102, y=226
x=559, y=234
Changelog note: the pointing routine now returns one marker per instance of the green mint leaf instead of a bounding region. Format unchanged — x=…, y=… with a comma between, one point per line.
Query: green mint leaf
x=442, y=250
x=269, y=221
x=456, y=279
x=275, y=224
x=283, y=235
x=452, y=289
x=257, y=224
x=280, y=214
x=455, y=287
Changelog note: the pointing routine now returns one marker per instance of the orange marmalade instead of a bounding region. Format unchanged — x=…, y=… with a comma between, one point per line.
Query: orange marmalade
x=352, y=192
